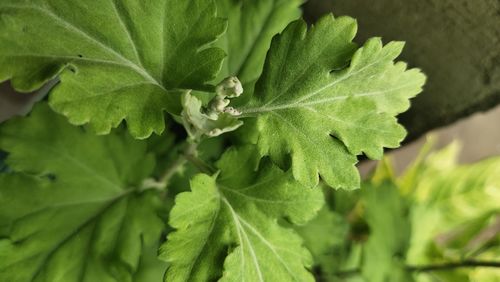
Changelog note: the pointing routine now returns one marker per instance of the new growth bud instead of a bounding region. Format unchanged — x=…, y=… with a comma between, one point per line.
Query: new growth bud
x=218, y=104
x=230, y=87
x=232, y=111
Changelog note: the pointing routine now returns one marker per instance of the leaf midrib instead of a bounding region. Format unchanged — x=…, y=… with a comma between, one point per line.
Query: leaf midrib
x=122, y=23
x=78, y=230
x=256, y=40
x=326, y=101
x=265, y=200
x=70, y=27
x=213, y=223
x=63, y=154
x=237, y=222
x=268, y=107
x=241, y=232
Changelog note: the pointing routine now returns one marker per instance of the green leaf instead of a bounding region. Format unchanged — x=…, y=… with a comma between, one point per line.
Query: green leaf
x=74, y=208
x=324, y=232
x=231, y=221
x=386, y=213
x=445, y=212
x=151, y=268
x=252, y=24
x=3, y=166
x=323, y=104
x=117, y=60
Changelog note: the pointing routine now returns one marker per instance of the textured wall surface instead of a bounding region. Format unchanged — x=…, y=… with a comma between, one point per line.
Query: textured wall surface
x=455, y=42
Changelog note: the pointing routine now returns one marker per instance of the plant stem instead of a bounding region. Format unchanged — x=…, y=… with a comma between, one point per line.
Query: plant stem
x=200, y=164
x=453, y=265
x=433, y=267
x=178, y=163
x=188, y=154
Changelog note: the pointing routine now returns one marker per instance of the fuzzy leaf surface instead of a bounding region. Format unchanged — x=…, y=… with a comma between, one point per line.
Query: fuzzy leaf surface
x=117, y=60
x=315, y=86
x=227, y=226
x=72, y=208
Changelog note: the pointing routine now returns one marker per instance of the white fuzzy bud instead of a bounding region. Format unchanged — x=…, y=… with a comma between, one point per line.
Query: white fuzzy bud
x=230, y=87
x=218, y=104
x=232, y=111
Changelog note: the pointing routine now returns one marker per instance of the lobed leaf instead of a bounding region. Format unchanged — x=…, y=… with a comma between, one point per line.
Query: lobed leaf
x=73, y=208
x=322, y=102
x=116, y=60
x=233, y=218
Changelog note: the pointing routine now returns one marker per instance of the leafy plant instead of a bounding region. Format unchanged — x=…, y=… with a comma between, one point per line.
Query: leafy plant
x=424, y=225
x=265, y=116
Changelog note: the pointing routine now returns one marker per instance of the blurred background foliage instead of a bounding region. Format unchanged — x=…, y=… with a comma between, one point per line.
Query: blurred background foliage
x=437, y=221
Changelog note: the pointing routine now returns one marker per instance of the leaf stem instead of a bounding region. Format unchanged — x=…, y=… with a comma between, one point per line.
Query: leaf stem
x=433, y=267
x=200, y=164
x=189, y=154
x=453, y=265
x=178, y=163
